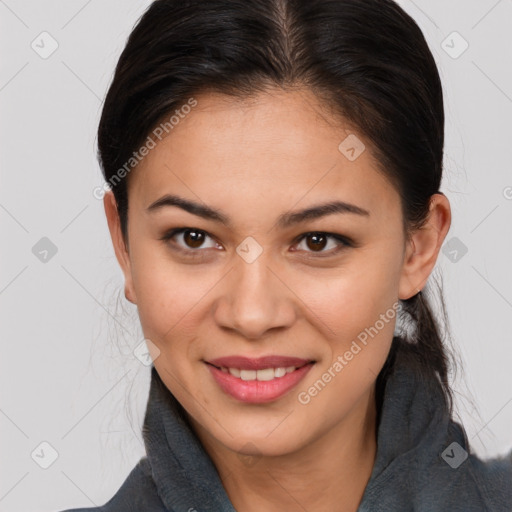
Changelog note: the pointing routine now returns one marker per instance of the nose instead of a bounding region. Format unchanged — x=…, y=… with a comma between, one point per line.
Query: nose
x=254, y=299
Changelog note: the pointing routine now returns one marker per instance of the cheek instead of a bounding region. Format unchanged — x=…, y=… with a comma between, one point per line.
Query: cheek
x=354, y=296
x=357, y=306
x=166, y=292
x=358, y=313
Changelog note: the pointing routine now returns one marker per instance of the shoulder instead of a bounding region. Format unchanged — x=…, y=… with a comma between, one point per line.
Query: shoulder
x=439, y=474
x=493, y=478
x=469, y=483
x=138, y=492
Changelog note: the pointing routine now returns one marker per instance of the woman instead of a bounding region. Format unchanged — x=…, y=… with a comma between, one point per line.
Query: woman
x=275, y=168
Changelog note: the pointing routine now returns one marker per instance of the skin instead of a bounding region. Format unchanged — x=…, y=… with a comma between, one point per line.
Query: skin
x=253, y=160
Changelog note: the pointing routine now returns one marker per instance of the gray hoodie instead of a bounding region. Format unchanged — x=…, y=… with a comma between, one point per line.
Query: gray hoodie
x=422, y=462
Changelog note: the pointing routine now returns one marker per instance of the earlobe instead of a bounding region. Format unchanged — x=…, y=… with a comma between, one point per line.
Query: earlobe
x=127, y=295
x=118, y=242
x=423, y=247
x=408, y=287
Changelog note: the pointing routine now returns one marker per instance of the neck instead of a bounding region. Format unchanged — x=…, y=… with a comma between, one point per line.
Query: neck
x=330, y=473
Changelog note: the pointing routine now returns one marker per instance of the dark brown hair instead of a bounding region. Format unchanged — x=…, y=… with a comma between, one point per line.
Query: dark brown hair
x=367, y=60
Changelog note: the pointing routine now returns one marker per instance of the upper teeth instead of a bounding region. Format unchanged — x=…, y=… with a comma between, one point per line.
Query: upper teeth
x=266, y=374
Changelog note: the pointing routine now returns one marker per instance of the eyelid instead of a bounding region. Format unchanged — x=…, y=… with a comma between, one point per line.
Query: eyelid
x=343, y=241
x=170, y=234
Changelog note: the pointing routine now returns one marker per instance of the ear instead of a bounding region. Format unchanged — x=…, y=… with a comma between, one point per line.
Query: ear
x=423, y=247
x=120, y=247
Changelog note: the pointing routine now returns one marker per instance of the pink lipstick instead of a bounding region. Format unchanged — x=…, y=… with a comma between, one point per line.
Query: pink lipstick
x=258, y=380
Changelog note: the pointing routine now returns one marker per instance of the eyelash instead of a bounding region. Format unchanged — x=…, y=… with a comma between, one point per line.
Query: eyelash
x=343, y=241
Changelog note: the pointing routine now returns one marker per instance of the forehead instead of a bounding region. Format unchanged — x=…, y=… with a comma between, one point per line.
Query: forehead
x=272, y=149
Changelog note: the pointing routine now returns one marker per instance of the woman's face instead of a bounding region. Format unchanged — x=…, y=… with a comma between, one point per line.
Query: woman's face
x=260, y=277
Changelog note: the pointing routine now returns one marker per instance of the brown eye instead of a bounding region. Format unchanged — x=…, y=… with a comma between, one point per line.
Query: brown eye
x=193, y=238
x=316, y=241
x=189, y=240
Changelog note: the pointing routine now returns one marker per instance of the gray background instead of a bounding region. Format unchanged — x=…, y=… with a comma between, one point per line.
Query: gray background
x=68, y=373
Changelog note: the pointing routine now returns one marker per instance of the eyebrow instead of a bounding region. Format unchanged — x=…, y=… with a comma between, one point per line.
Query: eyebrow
x=284, y=220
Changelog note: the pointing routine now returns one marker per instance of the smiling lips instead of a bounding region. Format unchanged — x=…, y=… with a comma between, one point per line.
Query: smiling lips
x=258, y=380
x=260, y=363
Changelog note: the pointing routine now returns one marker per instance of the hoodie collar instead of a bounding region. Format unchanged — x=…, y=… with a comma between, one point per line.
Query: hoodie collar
x=183, y=472
x=413, y=416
